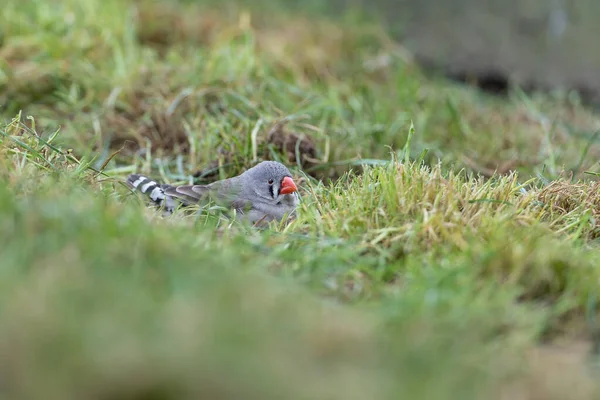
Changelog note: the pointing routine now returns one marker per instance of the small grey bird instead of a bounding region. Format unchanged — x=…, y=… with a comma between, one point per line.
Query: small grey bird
x=263, y=193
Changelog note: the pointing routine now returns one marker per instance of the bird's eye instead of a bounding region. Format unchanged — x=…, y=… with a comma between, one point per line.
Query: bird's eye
x=270, y=181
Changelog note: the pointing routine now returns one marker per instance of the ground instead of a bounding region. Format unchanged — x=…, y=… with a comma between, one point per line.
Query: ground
x=446, y=245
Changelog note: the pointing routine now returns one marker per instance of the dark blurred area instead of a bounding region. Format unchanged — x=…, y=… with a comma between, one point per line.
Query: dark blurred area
x=534, y=44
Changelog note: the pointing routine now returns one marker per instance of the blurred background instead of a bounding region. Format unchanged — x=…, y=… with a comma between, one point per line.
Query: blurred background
x=536, y=44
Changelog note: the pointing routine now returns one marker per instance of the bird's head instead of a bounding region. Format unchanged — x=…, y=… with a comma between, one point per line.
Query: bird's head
x=271, y=181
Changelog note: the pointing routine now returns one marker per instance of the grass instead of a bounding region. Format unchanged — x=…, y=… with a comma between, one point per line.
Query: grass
x=446, y=245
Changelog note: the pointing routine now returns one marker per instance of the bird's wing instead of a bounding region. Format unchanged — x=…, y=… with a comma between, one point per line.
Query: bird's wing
x=223, y=192
x=229, y=192
x=188, y=193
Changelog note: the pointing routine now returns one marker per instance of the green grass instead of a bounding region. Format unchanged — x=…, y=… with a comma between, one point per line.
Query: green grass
x=446, y=245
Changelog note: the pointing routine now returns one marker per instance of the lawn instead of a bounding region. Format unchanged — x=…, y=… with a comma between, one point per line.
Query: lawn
x=446, y=246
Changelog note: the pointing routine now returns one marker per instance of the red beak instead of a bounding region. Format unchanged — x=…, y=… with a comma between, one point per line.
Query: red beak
x=287, y=186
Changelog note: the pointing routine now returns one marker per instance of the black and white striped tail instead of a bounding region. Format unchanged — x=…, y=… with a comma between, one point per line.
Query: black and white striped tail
x=153, y=190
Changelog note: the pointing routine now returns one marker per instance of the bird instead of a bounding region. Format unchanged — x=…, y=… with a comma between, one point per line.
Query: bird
x=261, y=194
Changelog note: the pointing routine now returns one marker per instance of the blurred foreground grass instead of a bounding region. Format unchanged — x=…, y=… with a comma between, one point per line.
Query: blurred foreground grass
x=415, y=271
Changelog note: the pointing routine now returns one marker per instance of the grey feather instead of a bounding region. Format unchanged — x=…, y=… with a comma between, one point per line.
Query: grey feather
x=255, y=194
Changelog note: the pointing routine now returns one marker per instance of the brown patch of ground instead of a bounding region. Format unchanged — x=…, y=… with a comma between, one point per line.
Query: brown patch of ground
x=146, y=121
x=297, y=148
x=155, y=114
